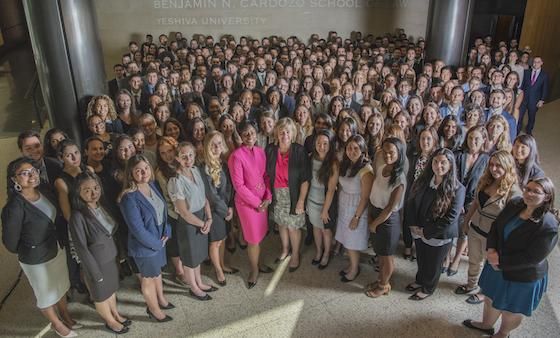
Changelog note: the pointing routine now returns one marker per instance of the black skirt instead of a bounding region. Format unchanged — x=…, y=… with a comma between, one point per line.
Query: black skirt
x=218, y=231
x=193, y=245
x=387, y=234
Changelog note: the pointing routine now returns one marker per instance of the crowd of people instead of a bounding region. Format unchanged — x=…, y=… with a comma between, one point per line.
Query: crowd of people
x=202, y=146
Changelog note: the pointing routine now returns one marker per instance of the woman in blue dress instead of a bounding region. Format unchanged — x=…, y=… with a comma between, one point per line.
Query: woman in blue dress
x=515, y=275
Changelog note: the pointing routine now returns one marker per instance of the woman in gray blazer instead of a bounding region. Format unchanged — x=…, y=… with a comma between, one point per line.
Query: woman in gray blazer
x=92, y=229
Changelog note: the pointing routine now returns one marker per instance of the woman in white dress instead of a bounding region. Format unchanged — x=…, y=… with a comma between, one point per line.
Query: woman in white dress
x=355, y=181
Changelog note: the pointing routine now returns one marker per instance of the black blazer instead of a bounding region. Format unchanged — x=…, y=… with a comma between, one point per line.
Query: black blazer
x=298, y=170
x=416, y=213
x=220, y=197
x=522, y=257
x=94, y=244
x=28, y=232
x=470, y=178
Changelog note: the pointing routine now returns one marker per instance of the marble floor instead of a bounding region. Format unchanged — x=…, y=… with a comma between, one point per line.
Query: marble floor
x=305, y=303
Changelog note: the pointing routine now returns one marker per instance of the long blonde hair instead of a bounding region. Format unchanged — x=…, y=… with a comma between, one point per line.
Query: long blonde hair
x=214, y=163
x=506, y=161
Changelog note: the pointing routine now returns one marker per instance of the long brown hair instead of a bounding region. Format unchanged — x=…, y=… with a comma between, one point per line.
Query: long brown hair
x=129, y=182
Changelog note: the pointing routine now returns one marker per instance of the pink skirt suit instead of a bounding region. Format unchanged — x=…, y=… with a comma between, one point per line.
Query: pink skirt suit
x=247, y=169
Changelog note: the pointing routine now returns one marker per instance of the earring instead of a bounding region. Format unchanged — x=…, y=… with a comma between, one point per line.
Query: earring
x=17, y=186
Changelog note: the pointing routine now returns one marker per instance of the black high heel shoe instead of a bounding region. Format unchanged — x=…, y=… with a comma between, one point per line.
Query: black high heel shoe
x=151, y=316
x=345, y=279
x=169, y=306
x=123, y=330
x=201, y=298
x=126, y=322
x=242, y=246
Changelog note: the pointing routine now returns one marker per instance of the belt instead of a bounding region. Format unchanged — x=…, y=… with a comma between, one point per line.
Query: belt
x=479, y=231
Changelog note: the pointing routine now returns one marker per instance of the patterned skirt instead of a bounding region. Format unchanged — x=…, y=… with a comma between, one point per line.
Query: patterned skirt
x=281, y=211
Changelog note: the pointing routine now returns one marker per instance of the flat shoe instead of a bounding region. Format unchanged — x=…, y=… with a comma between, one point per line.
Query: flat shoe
x=443, y=270
x=474, y=299
x=315, y=261
x=323, y=266
x=293, y=268
x=222, y=282
x=418, y=298
x=411, y=287
x=468, y=323
x=462, y=290
x=251, y=285
x=451, y=272
x=341, y=273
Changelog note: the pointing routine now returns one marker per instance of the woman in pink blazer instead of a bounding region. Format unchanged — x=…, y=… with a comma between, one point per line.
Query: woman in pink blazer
x=247, y=168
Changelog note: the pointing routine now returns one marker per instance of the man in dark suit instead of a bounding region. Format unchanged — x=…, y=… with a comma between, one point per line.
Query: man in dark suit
x=535, y=87
x=116, y=83
x=260, y=72
x=213, y=83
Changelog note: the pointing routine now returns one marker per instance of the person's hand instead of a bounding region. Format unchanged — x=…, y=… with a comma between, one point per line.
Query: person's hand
x=465, y=227
x=493, y=257
x=353, y=223
x=373, y=226
x=229, y=214
x=415, y=230
x=540, y=103
x=164, y=240
x=325, y=217
x=264, y=205
x=300, y=208
x=206, y=227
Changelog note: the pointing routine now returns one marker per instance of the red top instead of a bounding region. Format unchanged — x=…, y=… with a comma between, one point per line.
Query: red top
x=282, y=162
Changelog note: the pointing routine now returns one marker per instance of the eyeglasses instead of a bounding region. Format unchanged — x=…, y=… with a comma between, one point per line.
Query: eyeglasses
x=28, y=172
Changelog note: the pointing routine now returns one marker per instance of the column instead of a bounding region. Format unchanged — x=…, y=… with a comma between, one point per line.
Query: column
x=448, y=30
x=69, y=59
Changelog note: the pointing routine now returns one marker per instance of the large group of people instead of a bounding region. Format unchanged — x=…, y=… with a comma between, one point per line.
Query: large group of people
x=202, y=146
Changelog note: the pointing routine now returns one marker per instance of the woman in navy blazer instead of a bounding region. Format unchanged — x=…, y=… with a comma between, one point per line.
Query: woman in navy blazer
x=514, y=278
x=145, y=212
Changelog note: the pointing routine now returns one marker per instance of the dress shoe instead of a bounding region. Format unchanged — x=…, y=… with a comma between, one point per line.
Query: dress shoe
x=242, y=246
x=126, y=322
x=151, y=316
x=123, y=330
x=233, y=271
x=451, y=272
x=315, y=261
x=251, y=285
x=293, y=268
x=468, y=323
x=169, y=306
x=201, y=298
x=212, y=289
x=345, y=279
x=265, y=269
x=70, y=334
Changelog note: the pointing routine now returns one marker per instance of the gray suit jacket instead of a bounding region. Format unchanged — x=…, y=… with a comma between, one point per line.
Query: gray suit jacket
x=94, y=244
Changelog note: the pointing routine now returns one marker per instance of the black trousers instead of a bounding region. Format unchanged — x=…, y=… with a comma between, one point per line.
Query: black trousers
x=429, y=259
x=532, y=116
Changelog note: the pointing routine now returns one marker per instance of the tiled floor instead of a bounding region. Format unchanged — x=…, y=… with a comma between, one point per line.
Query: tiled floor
x=306, y=303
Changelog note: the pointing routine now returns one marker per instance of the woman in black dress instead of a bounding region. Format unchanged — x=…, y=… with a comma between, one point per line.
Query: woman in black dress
x=219, y=195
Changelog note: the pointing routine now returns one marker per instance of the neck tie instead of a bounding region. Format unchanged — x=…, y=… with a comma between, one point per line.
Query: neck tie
x=533, y=77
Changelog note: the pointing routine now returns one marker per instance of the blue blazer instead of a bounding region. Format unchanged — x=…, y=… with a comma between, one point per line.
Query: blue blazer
x=144, y=234
x=536, y=92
